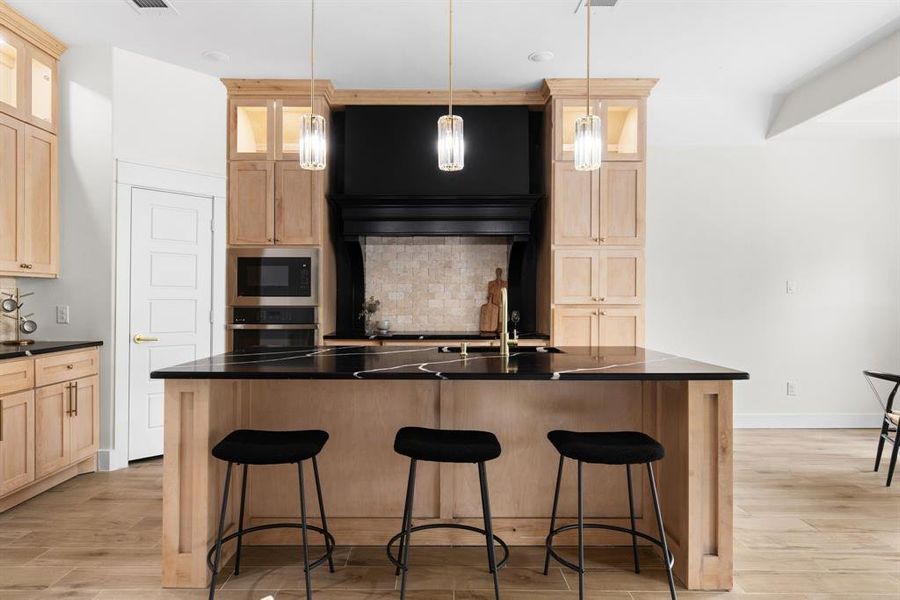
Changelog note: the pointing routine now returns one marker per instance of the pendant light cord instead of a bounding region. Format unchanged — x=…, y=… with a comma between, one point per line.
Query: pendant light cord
x=450, y=61
x=312, y=57
x=587, y=7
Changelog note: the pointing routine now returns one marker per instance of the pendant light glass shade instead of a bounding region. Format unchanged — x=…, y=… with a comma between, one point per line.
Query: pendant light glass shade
x=451, y=144
x=588, y=143
x=313, y=142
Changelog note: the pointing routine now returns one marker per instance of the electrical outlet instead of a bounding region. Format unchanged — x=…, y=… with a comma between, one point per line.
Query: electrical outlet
x=62, y=314
x=791, y=388
x=790, y=286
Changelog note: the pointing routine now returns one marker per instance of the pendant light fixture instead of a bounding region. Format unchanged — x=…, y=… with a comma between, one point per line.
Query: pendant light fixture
x=312, y=144
x=451, y=145
x=588, y=130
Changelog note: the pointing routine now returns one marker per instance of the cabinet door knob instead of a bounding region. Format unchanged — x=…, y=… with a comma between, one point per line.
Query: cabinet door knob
x=603, y=312
x=603, y=239
x=70, y=366
x=602, y=299
x=595, y=238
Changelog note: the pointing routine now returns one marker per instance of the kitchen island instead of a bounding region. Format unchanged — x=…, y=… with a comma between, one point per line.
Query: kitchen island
x=362, y=395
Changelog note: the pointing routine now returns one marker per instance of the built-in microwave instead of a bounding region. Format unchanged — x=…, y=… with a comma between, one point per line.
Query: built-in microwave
x=273, y=276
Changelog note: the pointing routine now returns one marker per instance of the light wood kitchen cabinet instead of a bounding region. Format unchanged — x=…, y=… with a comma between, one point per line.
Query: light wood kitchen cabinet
x=84, y=418
x=273, y=203
x=599, y=208
x=49, y=421
x=598, y=276
x=39, y=220
x=16, y=441
x=51, y=424
x=251, y=205
x=13, y=51
x=592, y=326
x=623, y=123
x=296, y=210
x=12, y=167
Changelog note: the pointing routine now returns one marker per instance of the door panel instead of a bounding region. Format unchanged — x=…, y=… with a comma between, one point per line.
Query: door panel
x=622, y=204
x=12, y=158
x=51, y=428
x=622, y=276
x=17, y=437
x=576, y=202
x=251, y=203
x=171, y=286
x=621, y=327
x=38, y=221
x=577, y=277
x=575, y=326
x=84, y=421
x=296, y=207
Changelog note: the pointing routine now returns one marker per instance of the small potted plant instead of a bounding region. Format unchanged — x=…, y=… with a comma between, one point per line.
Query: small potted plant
x=369, y=308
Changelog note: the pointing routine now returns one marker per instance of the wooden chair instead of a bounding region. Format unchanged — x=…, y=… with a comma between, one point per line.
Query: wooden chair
x=891, y=419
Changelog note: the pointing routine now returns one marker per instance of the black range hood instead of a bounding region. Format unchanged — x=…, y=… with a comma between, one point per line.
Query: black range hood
x=436, y=215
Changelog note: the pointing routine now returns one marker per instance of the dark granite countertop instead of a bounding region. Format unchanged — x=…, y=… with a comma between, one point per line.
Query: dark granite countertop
x=399, y=362
x=43, y=348
x=428, y=335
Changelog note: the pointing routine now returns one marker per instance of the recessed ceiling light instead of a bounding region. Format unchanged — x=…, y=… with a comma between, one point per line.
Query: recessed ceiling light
x=215, y=56
x=542, y=56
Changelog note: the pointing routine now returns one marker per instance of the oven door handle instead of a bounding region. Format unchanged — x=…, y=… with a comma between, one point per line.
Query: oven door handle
x=282, y=327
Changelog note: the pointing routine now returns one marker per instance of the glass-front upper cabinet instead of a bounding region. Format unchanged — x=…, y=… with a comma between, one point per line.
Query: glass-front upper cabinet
x=43, y=102
x=12, y=74
x=251, y=129
x=623, y=127
x=287, y=125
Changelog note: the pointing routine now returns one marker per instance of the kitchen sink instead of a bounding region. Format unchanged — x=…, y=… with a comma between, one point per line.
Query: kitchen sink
x=496, y=350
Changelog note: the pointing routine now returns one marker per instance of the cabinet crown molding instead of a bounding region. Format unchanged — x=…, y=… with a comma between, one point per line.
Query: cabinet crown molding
x=608, y=87
x=269, y=88
x=21, y=26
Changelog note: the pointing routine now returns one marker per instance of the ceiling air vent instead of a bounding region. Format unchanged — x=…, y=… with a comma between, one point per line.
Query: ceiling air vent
x=595, y=3
x=152, y=7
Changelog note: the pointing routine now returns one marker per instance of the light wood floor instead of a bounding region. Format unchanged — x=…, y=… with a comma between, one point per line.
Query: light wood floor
x=812, y=522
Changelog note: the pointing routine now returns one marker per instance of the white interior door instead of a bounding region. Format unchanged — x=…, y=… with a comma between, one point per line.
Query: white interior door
x=171, y=302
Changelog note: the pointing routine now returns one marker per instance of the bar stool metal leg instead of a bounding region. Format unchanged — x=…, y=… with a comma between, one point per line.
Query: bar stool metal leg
x=304, y=532
x=237, y=555
x=328, y=547
x=634, y=547
x=406, y=512
x=553, y=514
x=881, y=439
x=580, y=534
x=405, y=541
x=662, y=531
x=221, y=533
x=488, y=528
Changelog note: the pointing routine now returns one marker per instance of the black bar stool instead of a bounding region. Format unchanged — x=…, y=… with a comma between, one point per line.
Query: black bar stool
x=607, y=448
x=891, y=421
x=253, y=447
x=448, y=446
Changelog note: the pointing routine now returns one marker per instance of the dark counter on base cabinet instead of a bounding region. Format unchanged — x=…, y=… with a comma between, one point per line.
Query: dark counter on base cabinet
x=399, y=362
x=44, y=348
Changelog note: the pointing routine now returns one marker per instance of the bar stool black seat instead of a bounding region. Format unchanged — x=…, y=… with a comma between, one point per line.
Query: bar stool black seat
x=255, y=447
x=607, y=448
x=449, y=446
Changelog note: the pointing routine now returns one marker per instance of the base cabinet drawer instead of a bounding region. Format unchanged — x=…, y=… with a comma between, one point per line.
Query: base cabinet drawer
x=66, y=367
x=16, y=441
x=16, y=375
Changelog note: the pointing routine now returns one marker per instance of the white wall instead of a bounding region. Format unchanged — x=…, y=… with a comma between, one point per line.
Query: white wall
x=728, y=226
x=167, y=116
x=116, y=105
x=86, y=216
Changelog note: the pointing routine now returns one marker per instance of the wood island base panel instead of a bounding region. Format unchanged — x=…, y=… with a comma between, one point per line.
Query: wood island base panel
x=362, y=396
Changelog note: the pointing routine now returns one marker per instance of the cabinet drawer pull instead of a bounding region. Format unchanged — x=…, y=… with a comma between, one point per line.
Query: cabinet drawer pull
x=602, y=299
x=603, y=312
x=75, y=396
x=69, y=399
x=603, y=239
x=70, y=366
x=25, y=266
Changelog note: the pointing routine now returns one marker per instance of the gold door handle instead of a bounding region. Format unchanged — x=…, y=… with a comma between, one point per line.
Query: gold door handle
x=74, y=391
x=25, y=266
x=140, y=339
x=69, y=399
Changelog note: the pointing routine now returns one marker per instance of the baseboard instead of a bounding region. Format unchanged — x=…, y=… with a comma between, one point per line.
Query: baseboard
x=808, y=421
x=110, y=460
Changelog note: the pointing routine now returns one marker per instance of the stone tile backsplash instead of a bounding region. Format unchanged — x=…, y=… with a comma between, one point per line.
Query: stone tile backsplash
x=432, y=283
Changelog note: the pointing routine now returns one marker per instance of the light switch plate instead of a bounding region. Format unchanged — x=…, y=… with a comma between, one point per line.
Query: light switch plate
x=791, y=388
x=62, y=314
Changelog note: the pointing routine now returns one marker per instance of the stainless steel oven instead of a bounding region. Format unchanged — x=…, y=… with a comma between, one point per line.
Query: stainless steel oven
x=263, y=328
x=273, y=276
